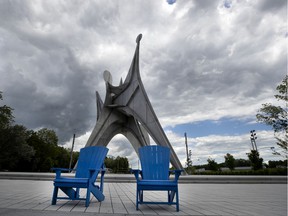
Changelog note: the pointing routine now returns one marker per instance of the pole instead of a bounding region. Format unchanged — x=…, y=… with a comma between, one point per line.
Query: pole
x=186, y=145
x=253, y=139
x=71, y=153
x=252, y=144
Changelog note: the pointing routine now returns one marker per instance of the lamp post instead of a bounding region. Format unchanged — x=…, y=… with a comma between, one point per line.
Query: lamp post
x=187, y=155
x=253, y=138
x=71, y=153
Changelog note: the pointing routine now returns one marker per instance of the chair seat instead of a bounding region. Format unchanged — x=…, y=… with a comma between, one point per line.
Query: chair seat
x=72, y=182
x=69, y=180
x=156, y=185
x=157, y=182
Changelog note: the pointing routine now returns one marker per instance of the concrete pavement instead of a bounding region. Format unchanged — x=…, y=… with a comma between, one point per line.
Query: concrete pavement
x=30, y=197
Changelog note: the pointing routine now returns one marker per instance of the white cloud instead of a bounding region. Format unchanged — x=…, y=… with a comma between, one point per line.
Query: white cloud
x=216, y=146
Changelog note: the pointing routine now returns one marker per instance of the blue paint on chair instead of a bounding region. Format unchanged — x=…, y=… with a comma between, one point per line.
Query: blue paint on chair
x=155, y=175
x=90, y=164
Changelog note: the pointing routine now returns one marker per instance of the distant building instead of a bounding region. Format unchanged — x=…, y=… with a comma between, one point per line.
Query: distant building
x=236, y=168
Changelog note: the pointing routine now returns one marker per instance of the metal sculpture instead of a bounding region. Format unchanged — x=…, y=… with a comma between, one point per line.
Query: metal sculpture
x=128, y=111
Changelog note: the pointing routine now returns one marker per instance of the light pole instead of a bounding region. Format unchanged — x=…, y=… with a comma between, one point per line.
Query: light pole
x=253, y=138
x=71, y=153
x=187, y=155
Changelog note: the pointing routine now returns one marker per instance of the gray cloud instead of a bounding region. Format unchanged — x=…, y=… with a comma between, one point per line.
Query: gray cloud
x=272, y=6
x=199, y=58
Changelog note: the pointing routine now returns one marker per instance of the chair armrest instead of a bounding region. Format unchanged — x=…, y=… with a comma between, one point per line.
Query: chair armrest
x=103, y=170
x=59, y=170
x=177, y=173
x=136, y=173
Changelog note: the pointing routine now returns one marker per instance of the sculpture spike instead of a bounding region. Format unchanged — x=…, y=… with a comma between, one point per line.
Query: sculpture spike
x=99, y=104
x=139, y=37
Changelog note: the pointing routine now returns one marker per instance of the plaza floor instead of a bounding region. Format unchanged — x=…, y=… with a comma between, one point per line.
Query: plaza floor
x=29, y=198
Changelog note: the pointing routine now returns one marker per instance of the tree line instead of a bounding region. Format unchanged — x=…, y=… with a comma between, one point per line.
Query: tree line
x=231, y=163
x=117, y=165
x=24, y=150
x=27, y=150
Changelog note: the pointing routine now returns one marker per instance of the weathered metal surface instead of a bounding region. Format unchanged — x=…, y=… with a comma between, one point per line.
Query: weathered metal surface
x=128, y=111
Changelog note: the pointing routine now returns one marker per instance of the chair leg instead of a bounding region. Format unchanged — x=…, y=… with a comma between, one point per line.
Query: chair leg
x=102, y=181
x=77, y=195
x=137, y=199
x=55, y=194
x=96, y=192
x=172, y=195
x=177, y=201
x=168, y=197
x=70, y=192
x=141, y=195
x=87, y=198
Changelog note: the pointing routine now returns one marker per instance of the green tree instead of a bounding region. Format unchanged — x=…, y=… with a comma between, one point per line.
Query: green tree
x=230, y=161
x=275, y=164
x=13, y=141
x=212, y=165
x=109, y=162
x=255, y=159
x=118, y=164
x=6, y=117
x=47, y=153
x=123, y=164
x=276, y=116
x=242, y=162
x=14, y=147
x=61, y=157
x=48, y=136
x=26, y=150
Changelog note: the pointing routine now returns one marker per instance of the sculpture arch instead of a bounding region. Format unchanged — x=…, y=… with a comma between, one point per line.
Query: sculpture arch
x=128, y=111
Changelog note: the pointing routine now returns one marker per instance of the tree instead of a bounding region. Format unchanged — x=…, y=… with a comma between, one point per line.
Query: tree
x=26, y=150
x=230, y=161
x=6, y=117
x=118, y=164
x=276, y=116
x=242, y=163
x=47, y=153
x=212, y=165
x=14, y=147
x=13, y=141
x=48, y=136
x=123, y=164
x=255, y=159
x=275, y=164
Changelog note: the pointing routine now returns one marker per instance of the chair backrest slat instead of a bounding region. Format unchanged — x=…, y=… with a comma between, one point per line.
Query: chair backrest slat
x=90, y=158
x=155, y=162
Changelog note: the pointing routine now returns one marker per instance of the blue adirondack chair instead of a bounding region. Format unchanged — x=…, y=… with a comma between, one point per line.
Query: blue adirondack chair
x=90, y=164
x=155, y=175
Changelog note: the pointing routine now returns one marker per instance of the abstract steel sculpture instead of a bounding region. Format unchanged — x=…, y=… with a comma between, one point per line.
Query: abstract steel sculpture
x=128, y=111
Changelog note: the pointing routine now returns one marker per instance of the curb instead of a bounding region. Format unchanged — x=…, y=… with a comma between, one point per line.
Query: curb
x=128, y=178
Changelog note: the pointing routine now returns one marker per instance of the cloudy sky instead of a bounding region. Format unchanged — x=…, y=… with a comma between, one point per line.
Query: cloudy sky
x=207, y=67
